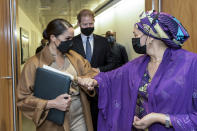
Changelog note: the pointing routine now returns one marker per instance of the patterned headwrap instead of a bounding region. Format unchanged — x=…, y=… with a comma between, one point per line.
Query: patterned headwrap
x=164, y=27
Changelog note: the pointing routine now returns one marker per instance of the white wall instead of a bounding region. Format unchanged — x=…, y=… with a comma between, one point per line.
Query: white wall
x=120, y=18
x=35, y=35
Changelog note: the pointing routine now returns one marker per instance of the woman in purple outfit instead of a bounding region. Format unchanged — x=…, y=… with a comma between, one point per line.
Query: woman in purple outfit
x=158, y=90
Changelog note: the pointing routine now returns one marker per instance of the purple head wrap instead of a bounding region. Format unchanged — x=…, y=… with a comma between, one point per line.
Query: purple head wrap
x=164, y=27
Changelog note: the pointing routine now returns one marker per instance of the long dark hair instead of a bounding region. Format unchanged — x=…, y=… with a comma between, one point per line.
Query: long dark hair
x=56, y=27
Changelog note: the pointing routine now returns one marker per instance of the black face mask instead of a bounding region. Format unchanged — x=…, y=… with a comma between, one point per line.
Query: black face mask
x=87, y=31
x=65, y=46
x=111, y=39
x=137, y=47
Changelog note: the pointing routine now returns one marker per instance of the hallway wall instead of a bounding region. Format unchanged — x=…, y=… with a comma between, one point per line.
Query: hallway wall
x=121, y=19
x=35, y=35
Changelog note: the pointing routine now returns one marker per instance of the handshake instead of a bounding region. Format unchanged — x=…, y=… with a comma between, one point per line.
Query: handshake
x=89, y=83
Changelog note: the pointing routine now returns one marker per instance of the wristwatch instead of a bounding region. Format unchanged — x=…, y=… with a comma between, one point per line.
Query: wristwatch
x=167, y=121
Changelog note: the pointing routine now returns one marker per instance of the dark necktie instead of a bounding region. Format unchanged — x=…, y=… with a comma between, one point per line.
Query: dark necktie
x=88, y=50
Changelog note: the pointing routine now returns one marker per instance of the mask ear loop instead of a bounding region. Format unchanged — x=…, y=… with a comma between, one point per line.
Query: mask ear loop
x=56, y=44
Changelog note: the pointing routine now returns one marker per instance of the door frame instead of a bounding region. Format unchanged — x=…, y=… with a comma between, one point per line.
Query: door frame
x=14, y=58
x=153, y=5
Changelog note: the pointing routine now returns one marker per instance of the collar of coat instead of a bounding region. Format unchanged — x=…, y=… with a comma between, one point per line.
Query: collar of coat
x=45, y=56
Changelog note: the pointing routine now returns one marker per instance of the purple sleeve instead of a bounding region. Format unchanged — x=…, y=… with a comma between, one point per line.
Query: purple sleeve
x=103, y=101
x=184, y=122
x=107, y=82
x=103, y=82
x=188, y=122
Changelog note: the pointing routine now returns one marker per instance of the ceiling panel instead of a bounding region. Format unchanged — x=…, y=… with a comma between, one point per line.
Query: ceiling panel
x=42, y=11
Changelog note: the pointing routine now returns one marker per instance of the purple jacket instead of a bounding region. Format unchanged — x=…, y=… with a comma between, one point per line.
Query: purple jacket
x=173, y=91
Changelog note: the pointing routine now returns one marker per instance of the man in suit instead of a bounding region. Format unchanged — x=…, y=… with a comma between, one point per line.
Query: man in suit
x=95, y=49
x=117, y=49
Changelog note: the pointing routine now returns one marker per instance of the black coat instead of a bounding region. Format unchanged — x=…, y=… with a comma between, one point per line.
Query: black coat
x=120, y=54
x=102, y=57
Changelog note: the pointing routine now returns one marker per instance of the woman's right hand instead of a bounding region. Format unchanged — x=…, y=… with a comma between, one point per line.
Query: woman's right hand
x=62, y=102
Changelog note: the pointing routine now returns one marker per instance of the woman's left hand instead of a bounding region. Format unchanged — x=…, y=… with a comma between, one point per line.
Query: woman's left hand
x=148, y=120
x=145, y=122
x=87, y=82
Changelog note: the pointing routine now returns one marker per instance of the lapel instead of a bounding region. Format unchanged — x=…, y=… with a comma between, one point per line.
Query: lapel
x=73, y=61
x=95, y=48
x=79, y=44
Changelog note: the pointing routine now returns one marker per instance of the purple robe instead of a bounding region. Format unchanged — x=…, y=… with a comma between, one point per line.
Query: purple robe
x=173, y=91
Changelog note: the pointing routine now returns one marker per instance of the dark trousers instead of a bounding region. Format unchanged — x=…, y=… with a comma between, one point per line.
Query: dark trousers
x=94, y=110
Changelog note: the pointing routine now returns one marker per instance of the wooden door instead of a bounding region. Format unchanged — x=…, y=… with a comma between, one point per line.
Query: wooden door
x=6, y=73
x=186, y=12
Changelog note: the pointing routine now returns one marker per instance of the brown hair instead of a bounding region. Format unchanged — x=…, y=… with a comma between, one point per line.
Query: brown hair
x=109, y=33
x=56, y=27
x=85, y=12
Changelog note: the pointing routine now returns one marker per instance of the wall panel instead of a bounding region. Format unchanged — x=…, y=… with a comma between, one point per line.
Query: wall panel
x=6, y=107
x=186, y=12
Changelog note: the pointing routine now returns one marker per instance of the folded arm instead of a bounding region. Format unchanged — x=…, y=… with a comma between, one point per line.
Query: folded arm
x=32, y=107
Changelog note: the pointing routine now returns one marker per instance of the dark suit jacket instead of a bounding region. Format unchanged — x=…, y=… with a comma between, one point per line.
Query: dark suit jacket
x=102, y=57
x=119, y=53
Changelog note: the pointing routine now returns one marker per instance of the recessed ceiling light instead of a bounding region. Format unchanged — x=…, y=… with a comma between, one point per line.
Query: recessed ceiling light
x=64, y=12
x=44, y=8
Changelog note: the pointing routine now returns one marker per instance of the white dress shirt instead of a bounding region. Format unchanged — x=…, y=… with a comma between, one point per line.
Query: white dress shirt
x=91, y=39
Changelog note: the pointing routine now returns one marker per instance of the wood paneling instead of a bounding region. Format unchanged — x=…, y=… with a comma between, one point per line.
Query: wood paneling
x=148, y=5
x=6, y=103
x=186, y=12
